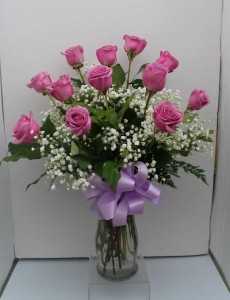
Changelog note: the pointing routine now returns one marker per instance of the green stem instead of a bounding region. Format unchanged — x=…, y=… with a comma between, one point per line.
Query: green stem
x=124, y=239
x=118, y=246
x=81, y=75
x=106, y=101
x=188, y=108
x=129, y=69
x=112, y=247
x=51, y=98
x=147, y=101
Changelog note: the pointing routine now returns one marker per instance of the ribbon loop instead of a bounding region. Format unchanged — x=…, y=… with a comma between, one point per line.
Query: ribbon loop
x=132, y=187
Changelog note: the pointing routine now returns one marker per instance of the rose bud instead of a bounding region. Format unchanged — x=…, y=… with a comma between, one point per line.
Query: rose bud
x=40, y=82
x=78, y=120
x=166, y=116
x=134, y=44
x=74, y=55
x=198, y=99
x=100, y=77
x=154, y=77
x=25, y=129
x=168, y=61
x=107, y=55
x=62, y=89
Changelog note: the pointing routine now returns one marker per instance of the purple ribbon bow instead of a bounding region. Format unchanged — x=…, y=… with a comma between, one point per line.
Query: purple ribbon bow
x=132, y=187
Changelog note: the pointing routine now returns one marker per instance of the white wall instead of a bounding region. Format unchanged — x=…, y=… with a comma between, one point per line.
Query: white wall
x=220, y=233
x=6, y=228
x=33, y=34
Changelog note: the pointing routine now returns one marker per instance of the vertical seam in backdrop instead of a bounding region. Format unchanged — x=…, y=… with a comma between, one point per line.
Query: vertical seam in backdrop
x=217, y=122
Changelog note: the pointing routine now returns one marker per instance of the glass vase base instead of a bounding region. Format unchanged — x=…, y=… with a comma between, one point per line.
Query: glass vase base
x=119, y=275
x=136, y=287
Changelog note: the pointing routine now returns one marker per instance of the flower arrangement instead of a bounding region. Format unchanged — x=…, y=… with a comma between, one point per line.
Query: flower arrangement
x=112, y=136
x=106, y=126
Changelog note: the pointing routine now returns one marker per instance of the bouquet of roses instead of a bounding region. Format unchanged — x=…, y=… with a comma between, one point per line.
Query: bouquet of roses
x=112, y=135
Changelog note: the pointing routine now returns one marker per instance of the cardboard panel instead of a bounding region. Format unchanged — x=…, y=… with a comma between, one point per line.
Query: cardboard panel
x=59, y=223
x=6, y=220
x=220, y=233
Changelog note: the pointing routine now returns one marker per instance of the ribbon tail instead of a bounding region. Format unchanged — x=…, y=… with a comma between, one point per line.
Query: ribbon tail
x=135, y=202
x=150, y=192
x=90, y=193
x=96, y=210
x=107, y=204
x=121, y=214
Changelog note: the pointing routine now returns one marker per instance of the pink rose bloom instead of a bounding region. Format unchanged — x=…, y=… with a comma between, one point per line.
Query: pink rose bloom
x=166, y=116
x=40, y=82
x=78, y=120
x=107, y=55
x=100, y=77
x=25, y=129
x=74, y=55
x=168, y=61
x=154, y=77
x=62, y=89
x=134, y=44
x=198, y=99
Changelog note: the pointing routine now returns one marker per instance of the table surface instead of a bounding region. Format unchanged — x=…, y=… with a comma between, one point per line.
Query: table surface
x=176, y=278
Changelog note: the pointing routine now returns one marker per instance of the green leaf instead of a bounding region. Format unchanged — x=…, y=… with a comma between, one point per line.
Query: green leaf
x=62, y=111
x=87, y=153
x=76, y=82
x=74, y=148
x=109, y=112
x=168, y=182
x=51, y=182
x=125, y=153
x=98, y=112
x=205, y=139
x=98, y=145
x=211, y=131
x=23, y=151
x=137, y=83
x=124, y=108
x=162, y=157
x=118, y=76
x=141, y=68
x=189, y=117
x=83, y=162
x=99, y=168
x=194, y=170
x=111, y=173
x=48, y=126
x=36, y=181
x=113, y=119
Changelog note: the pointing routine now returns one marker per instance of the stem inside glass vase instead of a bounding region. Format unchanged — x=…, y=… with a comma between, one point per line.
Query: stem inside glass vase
x=116, y=249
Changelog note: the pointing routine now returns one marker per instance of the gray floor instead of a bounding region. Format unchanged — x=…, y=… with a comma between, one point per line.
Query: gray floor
x=182, y=278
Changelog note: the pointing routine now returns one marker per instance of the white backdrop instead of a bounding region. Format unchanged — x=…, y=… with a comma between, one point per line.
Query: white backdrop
x=33, y=33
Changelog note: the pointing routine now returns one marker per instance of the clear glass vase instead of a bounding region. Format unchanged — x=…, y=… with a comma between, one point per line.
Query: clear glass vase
x=116, y=249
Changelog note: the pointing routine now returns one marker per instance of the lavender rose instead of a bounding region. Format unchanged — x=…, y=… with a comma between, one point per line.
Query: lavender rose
x=168, y=61
x=62, y=89
x=198, y=99
x=100, y=77
x=134, y=44
x=78, y=120
x=25, y=129
x=166, y=116
x=40, y=82
x=154, y=77
x=74, y=55
x=107, y=55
